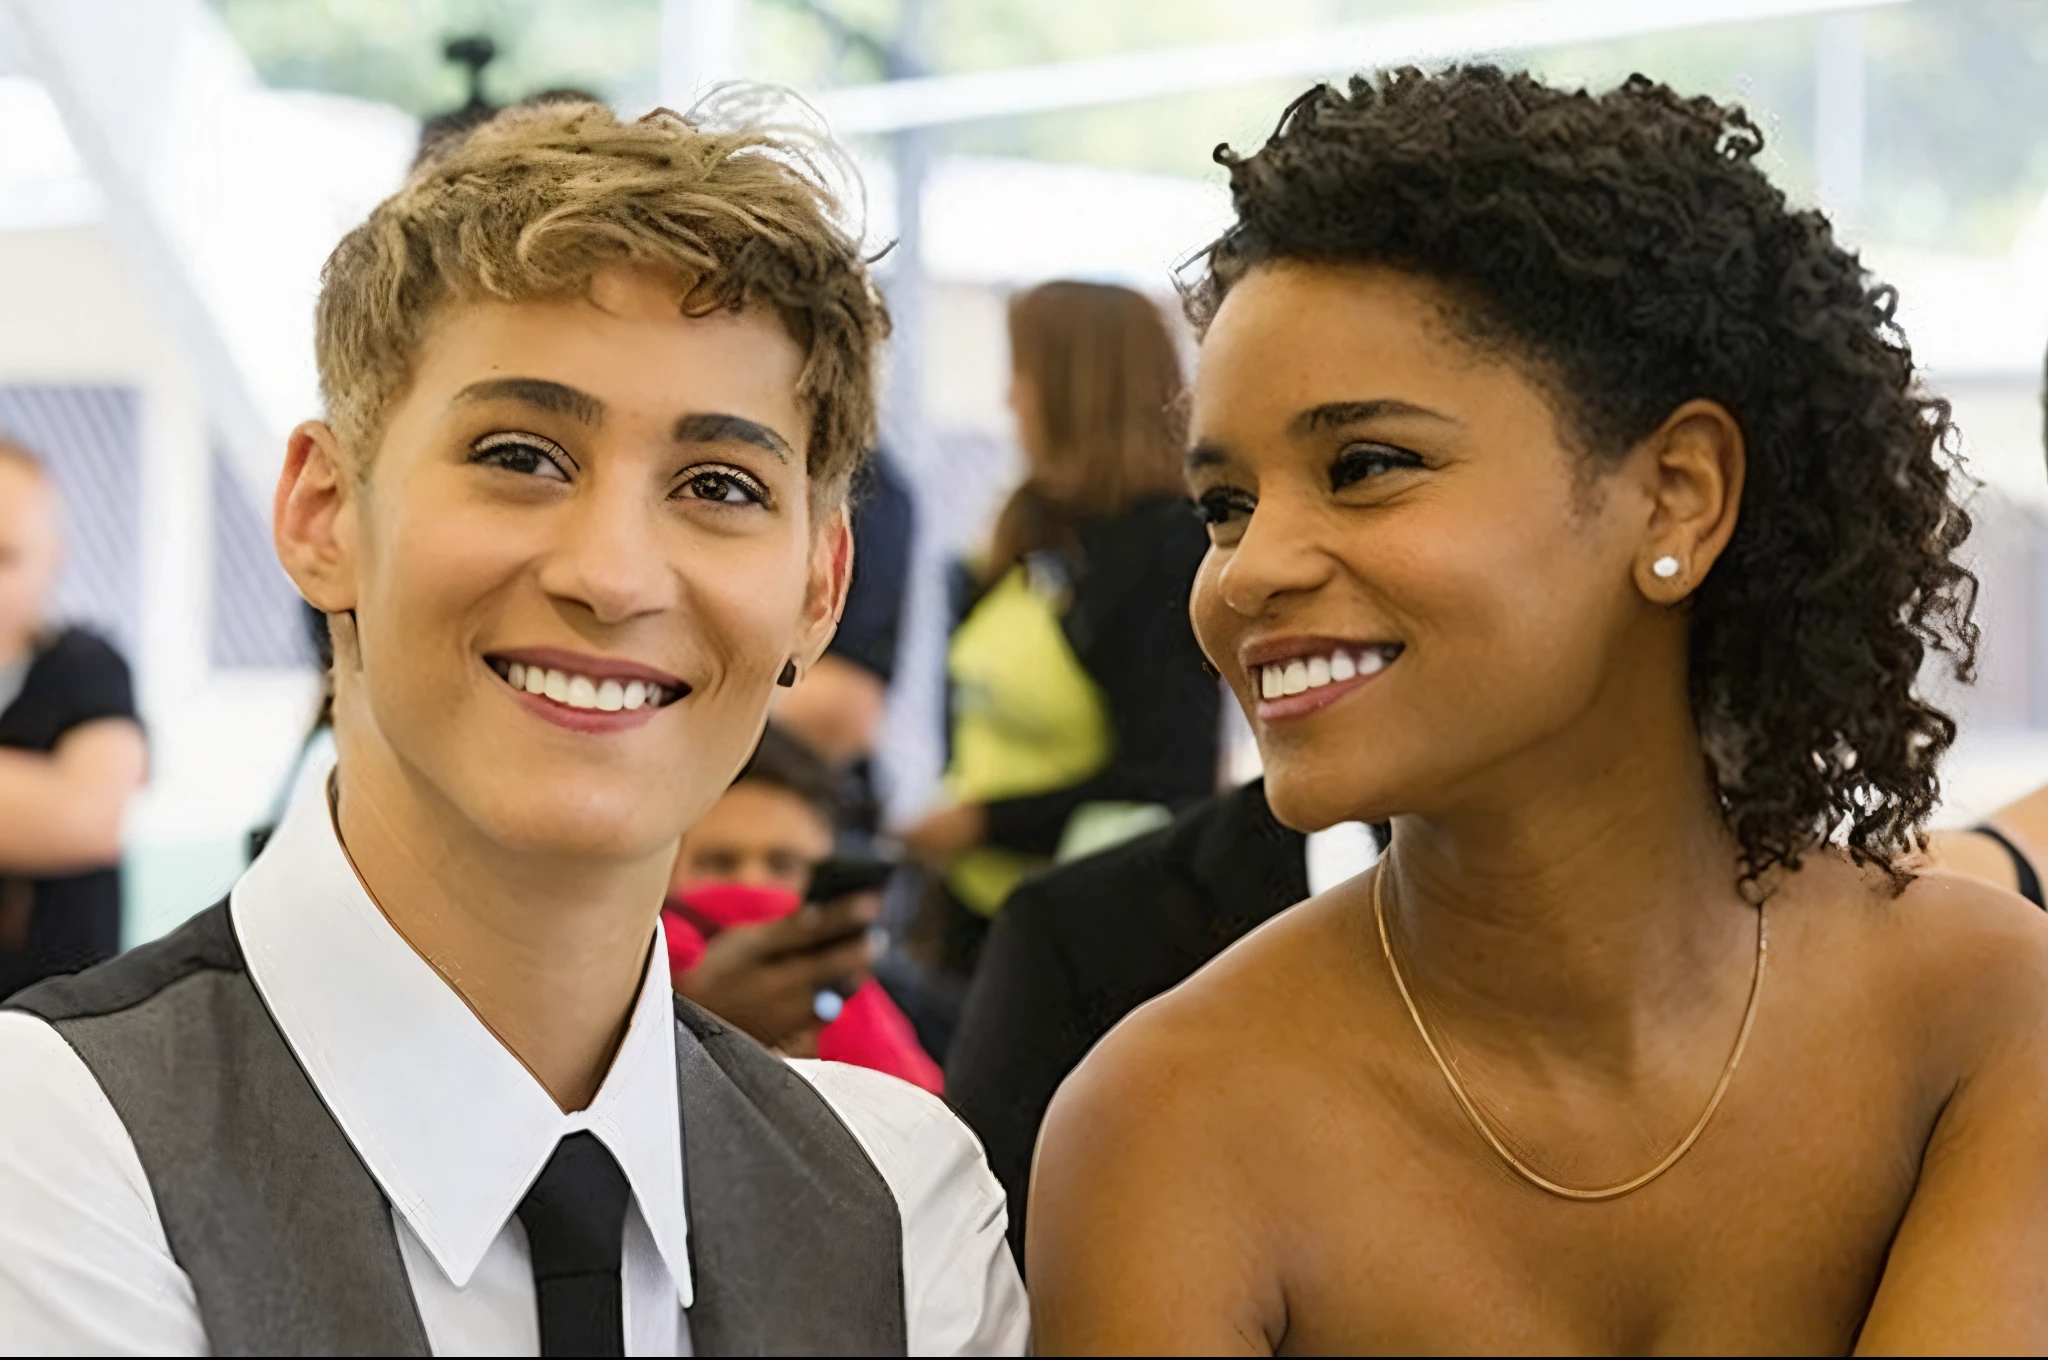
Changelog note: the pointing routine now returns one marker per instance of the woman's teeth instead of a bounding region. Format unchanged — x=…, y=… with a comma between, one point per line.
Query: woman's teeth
x=1305, y=673
x=580, y=691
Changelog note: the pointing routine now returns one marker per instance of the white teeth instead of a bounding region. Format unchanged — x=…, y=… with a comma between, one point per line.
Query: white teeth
x=584, y=691
x=1307, y=673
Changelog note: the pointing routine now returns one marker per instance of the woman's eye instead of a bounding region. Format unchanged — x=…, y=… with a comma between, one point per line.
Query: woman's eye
x=1359, y=462
x=1220, y=506
x=726, y=486
x=528, y=454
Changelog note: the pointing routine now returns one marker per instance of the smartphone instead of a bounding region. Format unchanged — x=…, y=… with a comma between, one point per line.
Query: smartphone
x=832, y=879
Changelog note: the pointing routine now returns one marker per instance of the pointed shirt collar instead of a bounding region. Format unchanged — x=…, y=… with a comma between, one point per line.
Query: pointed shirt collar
x=451, y=1125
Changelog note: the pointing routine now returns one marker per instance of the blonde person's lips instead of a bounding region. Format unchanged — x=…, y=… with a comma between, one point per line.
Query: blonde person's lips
x=1295, y=677
x=582, y=692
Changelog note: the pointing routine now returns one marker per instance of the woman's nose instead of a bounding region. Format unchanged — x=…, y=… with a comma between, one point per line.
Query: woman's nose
x=1278, y=555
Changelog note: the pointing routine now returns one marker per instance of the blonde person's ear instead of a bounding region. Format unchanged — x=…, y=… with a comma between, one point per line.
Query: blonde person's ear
x=312, y=519
x=831, y=571
x=1695, y=463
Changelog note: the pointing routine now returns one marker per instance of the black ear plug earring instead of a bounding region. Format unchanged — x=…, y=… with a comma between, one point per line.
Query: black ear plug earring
x=788, y=677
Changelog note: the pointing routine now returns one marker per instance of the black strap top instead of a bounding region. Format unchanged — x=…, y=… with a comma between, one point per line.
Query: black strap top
x=2029, y=880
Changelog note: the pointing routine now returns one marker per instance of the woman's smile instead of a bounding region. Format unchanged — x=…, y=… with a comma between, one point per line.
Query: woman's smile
x=1299, y=677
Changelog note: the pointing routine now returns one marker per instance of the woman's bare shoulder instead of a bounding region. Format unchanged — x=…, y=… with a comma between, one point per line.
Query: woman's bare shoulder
x=1953, y=927
x=1976, y=944
x=1950, y=956
x=1959, y=983
x=1234, y=1026
x=1154, y=1174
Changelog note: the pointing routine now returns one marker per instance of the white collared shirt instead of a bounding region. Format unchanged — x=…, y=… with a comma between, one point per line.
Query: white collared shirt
x=454, y=1129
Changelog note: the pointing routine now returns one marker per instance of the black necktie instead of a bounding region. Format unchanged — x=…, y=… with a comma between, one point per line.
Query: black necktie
x=575, y=1217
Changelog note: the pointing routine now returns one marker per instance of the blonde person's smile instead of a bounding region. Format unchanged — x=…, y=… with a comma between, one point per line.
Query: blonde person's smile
x=585, y=693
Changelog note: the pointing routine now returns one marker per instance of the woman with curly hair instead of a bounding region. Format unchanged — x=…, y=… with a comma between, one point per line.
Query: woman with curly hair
x=1574, y=506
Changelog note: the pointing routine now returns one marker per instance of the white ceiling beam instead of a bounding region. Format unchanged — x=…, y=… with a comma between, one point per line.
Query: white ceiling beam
x=224, y=197
x=933, y=101
x=703, y=42
x=121, y=75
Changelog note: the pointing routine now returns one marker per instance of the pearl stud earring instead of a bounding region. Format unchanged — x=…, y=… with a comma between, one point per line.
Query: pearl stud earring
x=1665, y=567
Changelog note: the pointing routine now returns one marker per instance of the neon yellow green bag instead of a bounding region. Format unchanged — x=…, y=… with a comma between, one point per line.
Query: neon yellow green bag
x=1027, y=719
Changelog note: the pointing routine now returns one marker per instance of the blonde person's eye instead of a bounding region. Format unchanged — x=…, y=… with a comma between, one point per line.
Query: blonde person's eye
x=529, y=454
x=723, y=486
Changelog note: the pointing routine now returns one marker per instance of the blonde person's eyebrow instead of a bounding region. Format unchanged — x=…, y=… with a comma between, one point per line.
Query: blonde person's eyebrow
x=718, y=428
x=555, y=398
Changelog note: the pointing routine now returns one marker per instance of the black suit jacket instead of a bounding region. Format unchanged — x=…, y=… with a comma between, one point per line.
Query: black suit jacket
x=1076, y=950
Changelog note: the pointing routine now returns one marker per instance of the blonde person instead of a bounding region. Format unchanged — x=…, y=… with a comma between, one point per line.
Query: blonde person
x=420, y=1085
x=1081, y=710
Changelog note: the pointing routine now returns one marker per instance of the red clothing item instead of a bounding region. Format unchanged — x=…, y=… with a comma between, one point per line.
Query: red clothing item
x=870, y=1031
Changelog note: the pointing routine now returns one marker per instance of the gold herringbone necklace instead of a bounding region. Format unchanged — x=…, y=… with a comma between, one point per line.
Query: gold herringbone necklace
x=1494, y=1141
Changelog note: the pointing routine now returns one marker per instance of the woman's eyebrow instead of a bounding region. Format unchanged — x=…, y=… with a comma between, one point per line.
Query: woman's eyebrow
x=558, y=399
x=718, y=428
x=1335, y=414
x=1206, y=454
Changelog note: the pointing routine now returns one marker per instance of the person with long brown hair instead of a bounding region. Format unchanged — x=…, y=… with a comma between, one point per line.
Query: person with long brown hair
x=1080, y=705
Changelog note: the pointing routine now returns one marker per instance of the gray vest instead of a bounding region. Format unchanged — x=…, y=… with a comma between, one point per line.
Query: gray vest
x=796, y=1243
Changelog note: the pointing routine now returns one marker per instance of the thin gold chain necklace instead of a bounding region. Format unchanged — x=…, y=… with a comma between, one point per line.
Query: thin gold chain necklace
x=1494, y=1141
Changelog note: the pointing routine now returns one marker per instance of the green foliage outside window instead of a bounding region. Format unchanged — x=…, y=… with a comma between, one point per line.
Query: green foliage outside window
x=1957, y=103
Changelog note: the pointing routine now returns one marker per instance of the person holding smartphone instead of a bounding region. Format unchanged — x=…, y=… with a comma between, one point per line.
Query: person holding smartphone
x=766, y=929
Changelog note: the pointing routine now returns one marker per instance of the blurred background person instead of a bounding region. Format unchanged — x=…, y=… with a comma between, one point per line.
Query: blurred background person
x=2005, y=848
x=837, y=707
x=71, y=752
x=745, y=944
x=1077, y=949
x=1081, y=710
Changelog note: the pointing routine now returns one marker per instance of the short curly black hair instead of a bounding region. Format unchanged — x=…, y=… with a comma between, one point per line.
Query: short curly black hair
x=1627, y=251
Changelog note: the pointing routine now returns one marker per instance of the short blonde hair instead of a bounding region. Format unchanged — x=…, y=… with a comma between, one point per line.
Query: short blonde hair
x=531, y=204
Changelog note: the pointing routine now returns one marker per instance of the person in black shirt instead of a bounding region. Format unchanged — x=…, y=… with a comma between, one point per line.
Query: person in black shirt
x=1079, y=948
x=71, y=753
x=837, y=707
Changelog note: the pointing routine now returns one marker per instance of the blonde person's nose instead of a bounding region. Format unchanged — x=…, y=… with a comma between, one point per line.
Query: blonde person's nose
x=606, y=558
